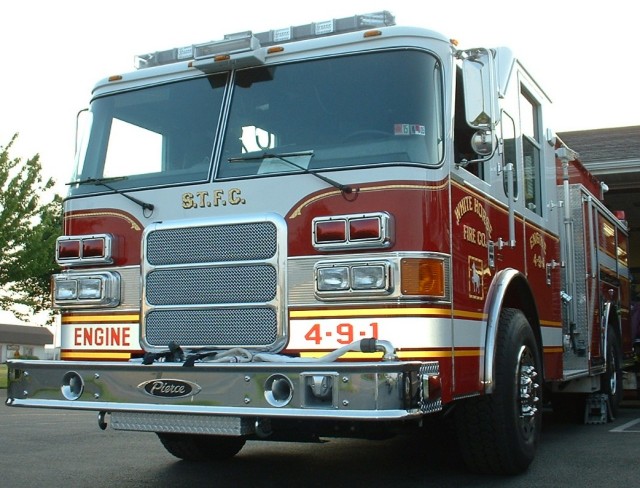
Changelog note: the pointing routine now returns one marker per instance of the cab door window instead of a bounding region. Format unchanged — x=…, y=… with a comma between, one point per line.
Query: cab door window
x=531, y=149
x=508, y=136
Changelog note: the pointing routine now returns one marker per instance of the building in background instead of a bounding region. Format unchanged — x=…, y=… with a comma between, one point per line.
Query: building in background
x=25, y=340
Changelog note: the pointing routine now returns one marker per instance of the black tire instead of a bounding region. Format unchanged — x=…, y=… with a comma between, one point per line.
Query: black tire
x=611, y=380
x=499, y=433
x=196, y=447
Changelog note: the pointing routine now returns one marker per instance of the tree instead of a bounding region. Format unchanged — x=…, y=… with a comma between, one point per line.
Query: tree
x=28, y=232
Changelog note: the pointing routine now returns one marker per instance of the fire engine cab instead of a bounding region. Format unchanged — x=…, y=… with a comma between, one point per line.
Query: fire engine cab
x=345, y=228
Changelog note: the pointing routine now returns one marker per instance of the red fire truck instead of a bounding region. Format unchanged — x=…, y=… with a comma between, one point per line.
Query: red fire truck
x=345, y=228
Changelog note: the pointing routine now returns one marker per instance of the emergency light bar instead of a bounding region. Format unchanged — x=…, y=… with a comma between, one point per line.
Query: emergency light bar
x=244, y=42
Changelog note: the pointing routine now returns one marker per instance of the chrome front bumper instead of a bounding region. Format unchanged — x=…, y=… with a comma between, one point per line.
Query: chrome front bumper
x=388, y=390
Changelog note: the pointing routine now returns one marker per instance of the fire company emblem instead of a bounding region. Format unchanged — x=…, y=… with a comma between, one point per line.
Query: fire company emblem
x=169, y=388
x=476, y=285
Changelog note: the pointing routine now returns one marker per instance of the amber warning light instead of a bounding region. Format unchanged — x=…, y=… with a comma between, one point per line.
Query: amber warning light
x=423, y=277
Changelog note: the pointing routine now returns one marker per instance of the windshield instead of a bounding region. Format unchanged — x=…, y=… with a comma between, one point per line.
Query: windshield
x=152, y=136
x=327, y=113
x=353, y=110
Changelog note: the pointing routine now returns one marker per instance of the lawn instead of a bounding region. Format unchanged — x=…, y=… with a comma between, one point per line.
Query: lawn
x=3, y=375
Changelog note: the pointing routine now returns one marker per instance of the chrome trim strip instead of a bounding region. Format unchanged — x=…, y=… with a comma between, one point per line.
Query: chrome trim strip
x=301, y=279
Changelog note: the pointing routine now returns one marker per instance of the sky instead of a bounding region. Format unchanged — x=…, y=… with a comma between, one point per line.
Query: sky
x=52, y=53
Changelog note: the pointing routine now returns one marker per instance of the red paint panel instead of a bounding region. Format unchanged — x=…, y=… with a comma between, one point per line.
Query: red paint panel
x=420, y=212
x=125, y=229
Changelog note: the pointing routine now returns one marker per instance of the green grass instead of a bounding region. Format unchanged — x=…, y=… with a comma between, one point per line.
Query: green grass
x=3, y=375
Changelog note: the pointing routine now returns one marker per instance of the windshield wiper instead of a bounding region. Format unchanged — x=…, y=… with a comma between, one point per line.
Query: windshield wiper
x=283, y=157
x=105, y=182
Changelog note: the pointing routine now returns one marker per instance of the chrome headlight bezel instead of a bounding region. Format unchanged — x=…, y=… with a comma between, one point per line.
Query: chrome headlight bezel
x=78, y=290
x=349, y=278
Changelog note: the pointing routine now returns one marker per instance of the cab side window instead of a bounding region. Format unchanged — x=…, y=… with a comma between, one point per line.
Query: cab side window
x=463, y=134
x=531, y=149
x=508, y=136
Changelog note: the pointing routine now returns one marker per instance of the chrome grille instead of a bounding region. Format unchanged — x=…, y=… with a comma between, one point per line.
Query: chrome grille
x=242, y=242
x=214, y=283
x=223, y=327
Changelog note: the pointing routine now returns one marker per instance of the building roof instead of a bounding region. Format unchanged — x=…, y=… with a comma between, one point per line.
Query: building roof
x=601, y=145
x=25, y=335
x=613, y=156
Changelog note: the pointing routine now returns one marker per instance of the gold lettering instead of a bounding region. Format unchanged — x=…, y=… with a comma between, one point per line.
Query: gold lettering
x=465, y=205
x=187, y=201
x=482, y=239
x=537, y=239
x=469, y=234
x=235, y=197
x=202, y=196
x=470, y=204
x=217, y=198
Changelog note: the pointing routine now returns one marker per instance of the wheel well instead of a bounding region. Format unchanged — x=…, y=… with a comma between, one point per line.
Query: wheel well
x=510, y=289
x=613, y=320
x=519, y=296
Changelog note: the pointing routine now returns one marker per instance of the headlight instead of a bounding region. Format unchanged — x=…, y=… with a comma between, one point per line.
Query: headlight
x=66, y=290
x=90, y=288
x=368, y=278
x=73, y=290
x=333, y=279
x=344, y=279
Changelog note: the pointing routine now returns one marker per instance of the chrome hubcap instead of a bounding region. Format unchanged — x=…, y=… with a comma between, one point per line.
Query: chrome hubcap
x=528, y=390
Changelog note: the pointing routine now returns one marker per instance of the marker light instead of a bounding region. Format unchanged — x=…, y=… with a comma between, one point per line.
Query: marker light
x=357, y=231
x=423, y=276
x=331, y=231
x=68, y=249
x=93, y=248
x=364, y=229
x=84, y=250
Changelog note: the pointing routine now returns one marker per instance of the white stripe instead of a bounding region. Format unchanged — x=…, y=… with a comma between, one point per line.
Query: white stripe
x=624, y=427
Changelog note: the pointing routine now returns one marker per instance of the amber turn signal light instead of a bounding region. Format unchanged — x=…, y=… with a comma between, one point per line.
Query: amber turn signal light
x=423, y=276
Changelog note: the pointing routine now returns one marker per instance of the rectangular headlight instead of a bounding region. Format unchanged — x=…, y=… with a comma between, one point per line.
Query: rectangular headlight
x=368, y=277
x=333, y=279
x=90, y=288
x=66, y=290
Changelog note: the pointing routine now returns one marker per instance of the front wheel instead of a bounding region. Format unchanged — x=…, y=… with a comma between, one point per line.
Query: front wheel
x=499, y=433
x=197, y=447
